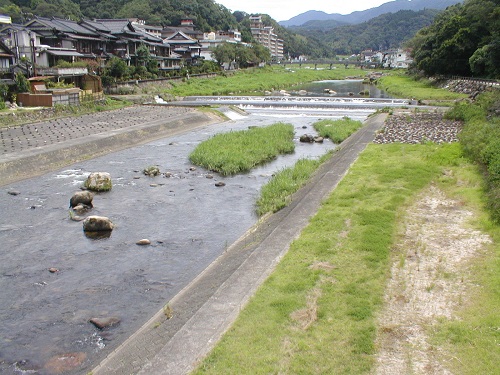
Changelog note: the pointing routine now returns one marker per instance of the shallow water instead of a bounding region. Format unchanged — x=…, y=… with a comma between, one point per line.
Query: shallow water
x=189, y=221
x=342, y=88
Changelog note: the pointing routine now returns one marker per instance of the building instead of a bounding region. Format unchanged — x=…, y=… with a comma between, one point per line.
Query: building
x=396, y=59
x=45, y=42
x=265, y=35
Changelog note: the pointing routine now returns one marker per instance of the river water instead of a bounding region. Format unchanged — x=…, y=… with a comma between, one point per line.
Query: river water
x=189, y=221
x=340, y=88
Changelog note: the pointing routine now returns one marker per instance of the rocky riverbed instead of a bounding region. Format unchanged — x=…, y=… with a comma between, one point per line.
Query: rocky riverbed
x=418, y=127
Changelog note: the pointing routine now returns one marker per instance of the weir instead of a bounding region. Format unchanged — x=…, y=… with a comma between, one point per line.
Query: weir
x=297, y=103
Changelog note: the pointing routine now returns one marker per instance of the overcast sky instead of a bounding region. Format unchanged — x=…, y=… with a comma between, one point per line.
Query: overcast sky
x=282, y=10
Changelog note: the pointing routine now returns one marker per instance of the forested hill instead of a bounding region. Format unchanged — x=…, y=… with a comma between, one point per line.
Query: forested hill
x=387, y=31
x=207, y=14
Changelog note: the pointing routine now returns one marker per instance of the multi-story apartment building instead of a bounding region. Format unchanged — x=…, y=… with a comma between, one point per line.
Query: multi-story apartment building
x=265, y=35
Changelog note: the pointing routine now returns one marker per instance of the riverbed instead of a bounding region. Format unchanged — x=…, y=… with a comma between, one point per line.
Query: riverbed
x=188, y=220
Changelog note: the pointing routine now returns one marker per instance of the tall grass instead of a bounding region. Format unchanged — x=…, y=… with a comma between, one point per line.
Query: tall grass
x=24, y=116
x=277, y=193
x=337, y=130
x=480, y=139
x=316, y=314
x=240, y=151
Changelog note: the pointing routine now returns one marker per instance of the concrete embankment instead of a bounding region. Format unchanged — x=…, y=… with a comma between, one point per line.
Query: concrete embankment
x=34, y=149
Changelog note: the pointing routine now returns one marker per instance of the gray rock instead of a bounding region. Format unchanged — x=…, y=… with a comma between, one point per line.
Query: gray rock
x=81, y=198
x=97, y=224
x=98, y=181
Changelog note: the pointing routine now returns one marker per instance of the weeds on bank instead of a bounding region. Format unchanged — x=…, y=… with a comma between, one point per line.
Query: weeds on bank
x=317, y=312
x=405, y=86
x=240, y=151
x=277, y=193
x=25, y=116
x=337, y=130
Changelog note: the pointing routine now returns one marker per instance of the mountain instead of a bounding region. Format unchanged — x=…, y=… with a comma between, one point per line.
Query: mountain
x=365, y=15
x=389, y=30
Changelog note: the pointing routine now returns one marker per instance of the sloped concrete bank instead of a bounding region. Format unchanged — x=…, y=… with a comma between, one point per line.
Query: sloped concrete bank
x=34, y=161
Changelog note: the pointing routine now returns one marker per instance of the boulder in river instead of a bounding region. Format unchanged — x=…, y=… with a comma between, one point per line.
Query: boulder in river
x=106, y=322
x=97, y=224
x=307, y=138
x=66, y=362
x=152, y=171
x=81, y=198
x=98, y=181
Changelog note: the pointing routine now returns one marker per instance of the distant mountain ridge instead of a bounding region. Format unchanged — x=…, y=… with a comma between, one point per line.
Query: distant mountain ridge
x=365, y=15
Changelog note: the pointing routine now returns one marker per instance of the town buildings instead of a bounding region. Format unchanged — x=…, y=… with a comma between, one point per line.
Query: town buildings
x=265, y=35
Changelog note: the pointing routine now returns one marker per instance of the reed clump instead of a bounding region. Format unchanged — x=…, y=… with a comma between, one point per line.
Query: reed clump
x=240, y=151
x=337, y=130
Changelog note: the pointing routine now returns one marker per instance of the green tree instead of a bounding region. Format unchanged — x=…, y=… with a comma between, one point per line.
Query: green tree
x=116, y=68
x=463, y=40
x=22, y=84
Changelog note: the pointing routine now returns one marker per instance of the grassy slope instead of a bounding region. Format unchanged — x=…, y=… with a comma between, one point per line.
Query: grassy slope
x=316, y=313
x=401, y=85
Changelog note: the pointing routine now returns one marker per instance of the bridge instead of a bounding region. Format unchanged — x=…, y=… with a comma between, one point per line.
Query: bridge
x=329, y=62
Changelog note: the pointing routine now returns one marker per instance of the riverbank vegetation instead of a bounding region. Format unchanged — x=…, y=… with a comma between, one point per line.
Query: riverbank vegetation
x=402, y=85
x=256, y=81
x=277, y=193
x=317, y=312
x=337, y=130
x=240, y=151
x=481, y=141
x=28, y=115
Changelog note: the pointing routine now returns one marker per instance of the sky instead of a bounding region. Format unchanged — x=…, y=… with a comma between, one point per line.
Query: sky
x=283, y=10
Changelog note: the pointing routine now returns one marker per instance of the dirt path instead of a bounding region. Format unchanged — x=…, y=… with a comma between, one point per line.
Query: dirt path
x=429, y=281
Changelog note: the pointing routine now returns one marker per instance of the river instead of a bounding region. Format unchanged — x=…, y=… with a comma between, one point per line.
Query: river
x=189, y=221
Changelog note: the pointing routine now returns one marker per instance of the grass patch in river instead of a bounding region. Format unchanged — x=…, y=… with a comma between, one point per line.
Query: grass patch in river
x=240, y=151
x=337, y=130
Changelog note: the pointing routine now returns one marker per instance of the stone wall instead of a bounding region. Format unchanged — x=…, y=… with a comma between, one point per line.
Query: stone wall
x=471, y=87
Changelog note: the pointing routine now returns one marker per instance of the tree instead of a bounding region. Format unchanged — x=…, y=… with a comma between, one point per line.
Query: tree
x=463, y=40
x=116, y=68
x=22, y=84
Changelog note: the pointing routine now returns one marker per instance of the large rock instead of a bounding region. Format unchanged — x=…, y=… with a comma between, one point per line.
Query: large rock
x=66, y=362
x=307, y=138
x=97, y=224
x=81, y=197
x=105, y=322
x=98, y=181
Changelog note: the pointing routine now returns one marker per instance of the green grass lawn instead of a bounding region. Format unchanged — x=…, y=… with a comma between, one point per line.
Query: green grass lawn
x=316, y=313
x=404, y=86
x=256, y=81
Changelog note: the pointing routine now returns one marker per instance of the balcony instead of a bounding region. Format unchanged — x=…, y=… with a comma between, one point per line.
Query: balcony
x=61, y=72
